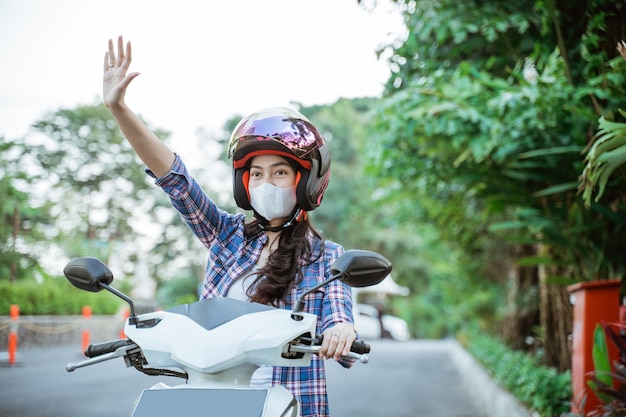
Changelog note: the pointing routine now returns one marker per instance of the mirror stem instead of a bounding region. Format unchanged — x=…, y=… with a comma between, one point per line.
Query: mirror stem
x=299, y=307
x=132, y=318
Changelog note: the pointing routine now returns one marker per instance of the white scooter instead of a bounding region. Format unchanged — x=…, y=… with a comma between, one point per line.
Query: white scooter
x=218, y=343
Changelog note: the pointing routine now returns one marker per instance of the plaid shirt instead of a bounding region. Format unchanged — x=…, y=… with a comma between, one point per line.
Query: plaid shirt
x=231, y=254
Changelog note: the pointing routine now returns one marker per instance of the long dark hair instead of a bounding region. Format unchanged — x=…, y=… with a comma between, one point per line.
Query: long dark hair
x=284, y=266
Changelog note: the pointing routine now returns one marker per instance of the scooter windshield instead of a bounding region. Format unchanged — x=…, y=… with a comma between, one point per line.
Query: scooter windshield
x=191, y=402
x=213, y=312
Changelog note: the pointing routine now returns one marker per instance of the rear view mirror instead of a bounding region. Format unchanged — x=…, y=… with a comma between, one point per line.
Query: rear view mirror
x=361, y=268
x=87, y=274
x=90, y=274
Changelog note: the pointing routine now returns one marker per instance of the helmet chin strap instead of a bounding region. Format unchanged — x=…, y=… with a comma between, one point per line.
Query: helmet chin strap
x=297, y=215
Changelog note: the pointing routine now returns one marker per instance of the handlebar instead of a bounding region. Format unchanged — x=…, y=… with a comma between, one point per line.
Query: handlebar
x=107, y=347
x=103, y=352
x=358, y=346
x=358, y=350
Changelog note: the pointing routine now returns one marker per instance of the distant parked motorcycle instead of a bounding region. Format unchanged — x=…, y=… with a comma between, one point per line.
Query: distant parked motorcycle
x=216, y=344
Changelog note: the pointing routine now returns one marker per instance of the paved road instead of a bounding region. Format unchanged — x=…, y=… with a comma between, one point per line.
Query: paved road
x=402, y=379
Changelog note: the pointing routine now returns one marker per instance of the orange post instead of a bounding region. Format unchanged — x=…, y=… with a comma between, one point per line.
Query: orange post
x=126, y=314
x=594, y=302
x=86, y=317
x=15, y=315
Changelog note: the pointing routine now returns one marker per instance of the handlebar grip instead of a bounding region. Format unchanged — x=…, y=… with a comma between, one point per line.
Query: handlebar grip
x=360, y=347
x=107, y=347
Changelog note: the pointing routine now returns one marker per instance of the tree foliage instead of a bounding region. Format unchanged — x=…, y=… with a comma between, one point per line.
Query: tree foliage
x=19, y=230
x=105, y=205
x=486, y=115
x=353, y=212
x=95, y=185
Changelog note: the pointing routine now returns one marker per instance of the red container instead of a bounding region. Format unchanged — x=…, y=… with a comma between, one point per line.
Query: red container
x=594, y=302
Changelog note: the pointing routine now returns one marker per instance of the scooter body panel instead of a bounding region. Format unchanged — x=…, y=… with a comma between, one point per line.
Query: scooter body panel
x=259, y=338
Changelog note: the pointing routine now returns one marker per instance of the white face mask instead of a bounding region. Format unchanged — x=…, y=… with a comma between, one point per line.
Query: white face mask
x=273, y=202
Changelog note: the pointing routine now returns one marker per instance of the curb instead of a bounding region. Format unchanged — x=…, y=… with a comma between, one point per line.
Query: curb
x=496, y=401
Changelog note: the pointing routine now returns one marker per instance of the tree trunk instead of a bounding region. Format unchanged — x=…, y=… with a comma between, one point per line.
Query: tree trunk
x=16, y=227
x=523, y=303
x=556, y=319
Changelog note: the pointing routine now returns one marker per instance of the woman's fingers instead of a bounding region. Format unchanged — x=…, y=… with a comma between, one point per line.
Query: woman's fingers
x=111, y=54
x=122, y=58
x=337, y=342
x=116, y=79
x=120, y=50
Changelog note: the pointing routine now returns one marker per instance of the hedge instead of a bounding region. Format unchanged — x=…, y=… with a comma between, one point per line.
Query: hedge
x=540, y=388
x=54, y=296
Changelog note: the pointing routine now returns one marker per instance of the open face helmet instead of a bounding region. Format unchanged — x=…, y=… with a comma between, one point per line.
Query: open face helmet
x=284, y=132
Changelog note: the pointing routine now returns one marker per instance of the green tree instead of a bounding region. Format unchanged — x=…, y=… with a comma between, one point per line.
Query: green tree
x=19, y=233
x=100, y=194
x=487, y=111
x=355, y=211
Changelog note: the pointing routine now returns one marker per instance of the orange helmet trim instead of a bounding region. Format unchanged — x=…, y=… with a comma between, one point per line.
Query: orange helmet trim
x=245, y=179
x=241, y=163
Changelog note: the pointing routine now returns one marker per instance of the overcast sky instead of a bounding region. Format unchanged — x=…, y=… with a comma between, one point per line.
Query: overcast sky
x=200, y=61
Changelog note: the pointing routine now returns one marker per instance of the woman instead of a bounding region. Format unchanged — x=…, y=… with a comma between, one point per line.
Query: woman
x=281, y=168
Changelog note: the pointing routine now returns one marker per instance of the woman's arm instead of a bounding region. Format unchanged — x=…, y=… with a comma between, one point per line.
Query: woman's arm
x=337, y=320
x=152, y=151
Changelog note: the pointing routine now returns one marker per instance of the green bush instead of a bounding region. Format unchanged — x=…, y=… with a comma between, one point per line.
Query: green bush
x=54, y=296
x=182, y=290
x=540, y=388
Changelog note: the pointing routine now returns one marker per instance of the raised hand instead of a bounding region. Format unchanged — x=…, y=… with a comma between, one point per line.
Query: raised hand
x=154, y=153
x=115, y=79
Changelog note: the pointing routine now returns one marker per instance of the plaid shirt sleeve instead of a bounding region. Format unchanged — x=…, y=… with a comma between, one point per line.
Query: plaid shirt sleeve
x=205, y=219
x=332, y=304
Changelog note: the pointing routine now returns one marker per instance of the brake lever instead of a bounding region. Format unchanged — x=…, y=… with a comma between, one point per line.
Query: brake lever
x=120, y=352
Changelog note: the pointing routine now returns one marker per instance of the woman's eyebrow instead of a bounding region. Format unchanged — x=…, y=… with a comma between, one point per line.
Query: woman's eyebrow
x=274, y=165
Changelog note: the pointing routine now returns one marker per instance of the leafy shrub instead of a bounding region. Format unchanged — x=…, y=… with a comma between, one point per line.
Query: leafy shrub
x=608, y=380
x=540, y=388
x=54, y=296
